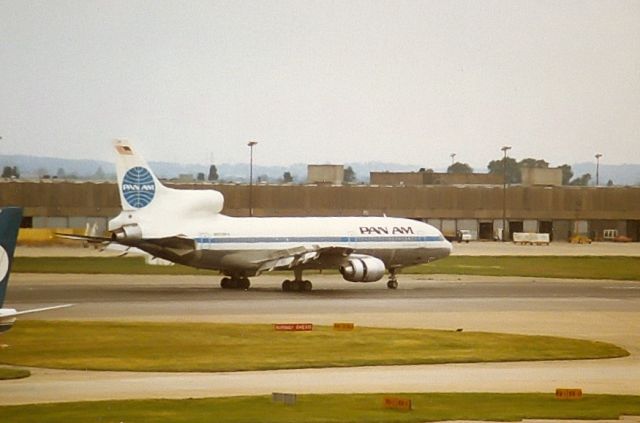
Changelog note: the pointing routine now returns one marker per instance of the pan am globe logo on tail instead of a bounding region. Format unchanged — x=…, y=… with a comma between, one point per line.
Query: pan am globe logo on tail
x=138, y=187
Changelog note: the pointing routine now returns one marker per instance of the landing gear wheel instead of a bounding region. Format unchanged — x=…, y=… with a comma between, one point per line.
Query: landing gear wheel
x=286, y=286
x=392, y=284
x=244, y=284
x=225, y=283
x=306, y=286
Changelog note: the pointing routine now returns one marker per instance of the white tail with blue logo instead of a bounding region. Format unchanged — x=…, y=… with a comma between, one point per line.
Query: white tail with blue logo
x=149, y=205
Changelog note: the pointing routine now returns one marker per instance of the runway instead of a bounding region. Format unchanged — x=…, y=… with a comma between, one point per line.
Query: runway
x=599, y=310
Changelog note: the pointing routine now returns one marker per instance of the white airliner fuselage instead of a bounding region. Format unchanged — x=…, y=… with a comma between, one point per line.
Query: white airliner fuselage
x=186, y=226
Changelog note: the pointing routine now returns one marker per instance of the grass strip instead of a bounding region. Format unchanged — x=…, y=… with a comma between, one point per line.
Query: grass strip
x=100, y=265
x=362, y=408
x=583, y=267
x=9, y=373
x=190, y=347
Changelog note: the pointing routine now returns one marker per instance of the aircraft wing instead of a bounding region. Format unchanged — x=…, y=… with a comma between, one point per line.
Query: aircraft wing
x=293, y=257
x=177, y=244
x=37, y=310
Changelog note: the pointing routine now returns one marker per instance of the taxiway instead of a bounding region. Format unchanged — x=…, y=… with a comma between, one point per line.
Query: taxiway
x=599, y=310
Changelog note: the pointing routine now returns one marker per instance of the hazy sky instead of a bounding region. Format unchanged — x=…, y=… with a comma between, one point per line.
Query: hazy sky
x=322, y=81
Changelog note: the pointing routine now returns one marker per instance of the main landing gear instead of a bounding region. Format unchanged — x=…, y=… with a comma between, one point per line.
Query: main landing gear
x=233, y=282
x=393, y=279
x=296, y=285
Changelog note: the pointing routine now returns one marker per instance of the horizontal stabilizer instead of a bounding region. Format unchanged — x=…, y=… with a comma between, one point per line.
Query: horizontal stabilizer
x=86, y=238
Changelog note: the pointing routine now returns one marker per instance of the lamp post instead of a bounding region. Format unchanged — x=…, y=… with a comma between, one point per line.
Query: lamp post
x=251, y=144
x=598, y=155
x=504, y=190
x=453, y=157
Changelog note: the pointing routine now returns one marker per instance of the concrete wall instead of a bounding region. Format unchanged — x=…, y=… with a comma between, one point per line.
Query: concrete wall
x=60, y=199
x=80, y=203
x=396, y=178
x=433, y=178
x=462, y=179
x=423, y=202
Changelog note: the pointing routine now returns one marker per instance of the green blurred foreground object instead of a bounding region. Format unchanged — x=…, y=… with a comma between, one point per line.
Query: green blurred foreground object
x=331, y=408
x=611, y=267
x=191, y=347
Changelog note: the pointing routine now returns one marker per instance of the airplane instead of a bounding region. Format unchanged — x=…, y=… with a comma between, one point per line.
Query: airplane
x=10, y=218
x=187, y=227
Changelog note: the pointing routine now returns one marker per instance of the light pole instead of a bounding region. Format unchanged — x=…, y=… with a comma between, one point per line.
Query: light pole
x=251, y=144
x=504, y=190
x=453, y=157
x=598, y=155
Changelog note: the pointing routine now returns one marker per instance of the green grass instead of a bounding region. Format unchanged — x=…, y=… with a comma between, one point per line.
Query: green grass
x=610, y=267
x=230, y=347
x=7, y=373
x=99, y=265
x=359, y=408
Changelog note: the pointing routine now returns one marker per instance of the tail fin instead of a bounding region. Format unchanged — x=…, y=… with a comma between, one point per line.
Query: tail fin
x=10, y=218
x=137, y=184
x=146, y=202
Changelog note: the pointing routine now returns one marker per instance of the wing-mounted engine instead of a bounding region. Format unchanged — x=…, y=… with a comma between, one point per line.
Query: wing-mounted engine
x=360, y=268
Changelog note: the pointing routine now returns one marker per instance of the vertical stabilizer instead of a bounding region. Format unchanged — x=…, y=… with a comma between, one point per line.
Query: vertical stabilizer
x=10, y=218
x=137, y=184
x=150, y=209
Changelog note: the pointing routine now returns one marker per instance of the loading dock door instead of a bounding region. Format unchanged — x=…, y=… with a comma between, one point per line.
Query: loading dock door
x=633, y=230
x=485, y=230
x=546, y=227
x=515, y=226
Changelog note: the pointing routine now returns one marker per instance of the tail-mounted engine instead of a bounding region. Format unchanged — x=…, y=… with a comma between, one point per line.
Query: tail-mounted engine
x=363, y=269
x=127, y=233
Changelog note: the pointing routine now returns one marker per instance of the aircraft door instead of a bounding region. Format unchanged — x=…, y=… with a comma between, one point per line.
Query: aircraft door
x=351, y=240
x=204, y=241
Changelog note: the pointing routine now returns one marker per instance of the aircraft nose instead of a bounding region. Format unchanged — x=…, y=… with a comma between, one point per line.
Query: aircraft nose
x=449, y=246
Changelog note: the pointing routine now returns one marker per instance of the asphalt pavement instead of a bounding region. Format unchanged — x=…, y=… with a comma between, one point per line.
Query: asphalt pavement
x=599, y=310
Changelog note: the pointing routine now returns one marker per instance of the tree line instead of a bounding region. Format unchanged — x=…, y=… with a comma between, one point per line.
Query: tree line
x=511, y=168
x=496, y=167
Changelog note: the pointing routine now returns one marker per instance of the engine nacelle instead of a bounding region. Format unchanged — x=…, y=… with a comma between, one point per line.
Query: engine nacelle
x=6, y=322
x=363, y=269
x=128, y=233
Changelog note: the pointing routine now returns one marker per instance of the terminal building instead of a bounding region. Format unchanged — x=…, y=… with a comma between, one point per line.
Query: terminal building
x=561, y=211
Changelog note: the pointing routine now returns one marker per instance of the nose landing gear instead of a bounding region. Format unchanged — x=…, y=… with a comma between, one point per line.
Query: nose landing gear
x=235, y=282
x=393, y=279
x=296, y=285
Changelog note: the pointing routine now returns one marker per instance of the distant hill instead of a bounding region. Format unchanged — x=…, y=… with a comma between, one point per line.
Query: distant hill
x=34, y=167
x=624, y=174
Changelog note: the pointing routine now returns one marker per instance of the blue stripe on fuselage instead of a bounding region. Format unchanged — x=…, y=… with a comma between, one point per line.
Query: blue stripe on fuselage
x=316, y=239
